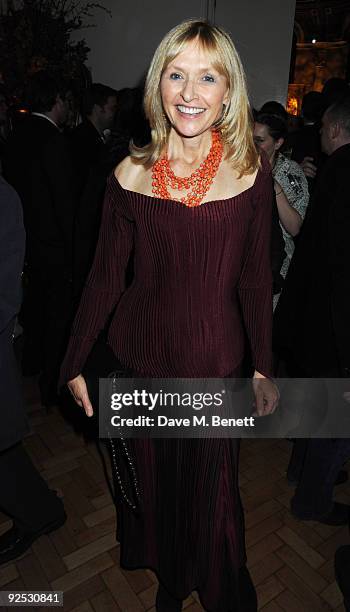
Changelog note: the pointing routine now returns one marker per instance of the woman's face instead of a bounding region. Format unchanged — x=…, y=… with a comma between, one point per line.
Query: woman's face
x=264, y=141
x=193, y=92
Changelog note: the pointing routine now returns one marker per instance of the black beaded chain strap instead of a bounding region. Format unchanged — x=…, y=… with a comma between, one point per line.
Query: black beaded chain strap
x=119, y=448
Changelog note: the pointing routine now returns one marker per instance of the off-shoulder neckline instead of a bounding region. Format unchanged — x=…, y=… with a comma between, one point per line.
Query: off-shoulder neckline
x=157, y=199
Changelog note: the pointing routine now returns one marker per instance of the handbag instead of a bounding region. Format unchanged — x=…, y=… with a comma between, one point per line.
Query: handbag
x=119, y=449
x=102, y=363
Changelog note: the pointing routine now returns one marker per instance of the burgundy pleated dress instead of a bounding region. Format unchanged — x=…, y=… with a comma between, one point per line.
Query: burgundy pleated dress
x=201, y=275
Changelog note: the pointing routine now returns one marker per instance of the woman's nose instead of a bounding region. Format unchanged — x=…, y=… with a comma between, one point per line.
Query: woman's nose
x=189, y=91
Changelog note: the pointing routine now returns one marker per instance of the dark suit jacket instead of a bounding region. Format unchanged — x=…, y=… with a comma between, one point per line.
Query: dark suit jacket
x=13, y=421
x=88, y=150
x=38, y=164
x=312, y=316
x=93, y=163
x=306, y=142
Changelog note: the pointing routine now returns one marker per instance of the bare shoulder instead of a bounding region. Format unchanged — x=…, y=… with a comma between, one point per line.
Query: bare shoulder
x=249, y=179
x=238, y=182
x=129, y=174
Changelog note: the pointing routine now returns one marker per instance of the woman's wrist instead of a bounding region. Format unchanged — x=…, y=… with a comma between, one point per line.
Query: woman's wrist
x=258, y=375
x=277, y=188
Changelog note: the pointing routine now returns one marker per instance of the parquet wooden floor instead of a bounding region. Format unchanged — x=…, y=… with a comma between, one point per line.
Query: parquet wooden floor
x=291, y=562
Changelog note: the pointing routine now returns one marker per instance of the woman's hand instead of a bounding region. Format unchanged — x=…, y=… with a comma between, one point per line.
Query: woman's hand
x=77, y=387
x=266, y=395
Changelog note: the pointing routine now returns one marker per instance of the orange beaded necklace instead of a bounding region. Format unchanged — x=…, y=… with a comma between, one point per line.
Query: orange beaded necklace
x=199, y=182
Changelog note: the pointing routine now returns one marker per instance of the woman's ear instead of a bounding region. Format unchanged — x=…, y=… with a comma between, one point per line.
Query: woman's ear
x=226, y=99
x=278, y=143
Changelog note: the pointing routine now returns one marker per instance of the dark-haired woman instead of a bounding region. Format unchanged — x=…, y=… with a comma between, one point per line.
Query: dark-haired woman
x=291, y=188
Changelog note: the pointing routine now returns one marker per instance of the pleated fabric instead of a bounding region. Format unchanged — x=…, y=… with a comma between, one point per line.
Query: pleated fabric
x=202, y=279
x=189, y=529
x=196, y=272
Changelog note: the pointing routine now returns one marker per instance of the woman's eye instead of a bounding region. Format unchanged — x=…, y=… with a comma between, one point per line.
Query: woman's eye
x=209, y=78
x=175, y=76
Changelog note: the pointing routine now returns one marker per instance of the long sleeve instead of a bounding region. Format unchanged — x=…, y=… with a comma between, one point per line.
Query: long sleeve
x=105, y=283
x=255, y=285
x=12, y=244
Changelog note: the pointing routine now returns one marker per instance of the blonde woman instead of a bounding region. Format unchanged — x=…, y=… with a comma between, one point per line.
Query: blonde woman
x=194, y=207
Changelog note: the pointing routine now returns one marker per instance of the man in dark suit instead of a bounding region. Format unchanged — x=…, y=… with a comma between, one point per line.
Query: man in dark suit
x=37, y=163
x=306, y=142
x=88, y=139
x=311, y=329
x=92, y=164
x=24, y=495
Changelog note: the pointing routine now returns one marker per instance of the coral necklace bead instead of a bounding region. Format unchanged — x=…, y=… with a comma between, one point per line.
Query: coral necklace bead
x=199, y=182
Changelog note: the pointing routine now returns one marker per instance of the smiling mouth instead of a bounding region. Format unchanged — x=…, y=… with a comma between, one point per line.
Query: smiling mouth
x=190, y=110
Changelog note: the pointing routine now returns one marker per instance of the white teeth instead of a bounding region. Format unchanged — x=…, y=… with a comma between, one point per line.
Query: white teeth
x=190, y=110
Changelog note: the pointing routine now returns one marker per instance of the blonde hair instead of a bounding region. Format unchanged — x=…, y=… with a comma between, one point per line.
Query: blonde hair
x=236, y=124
